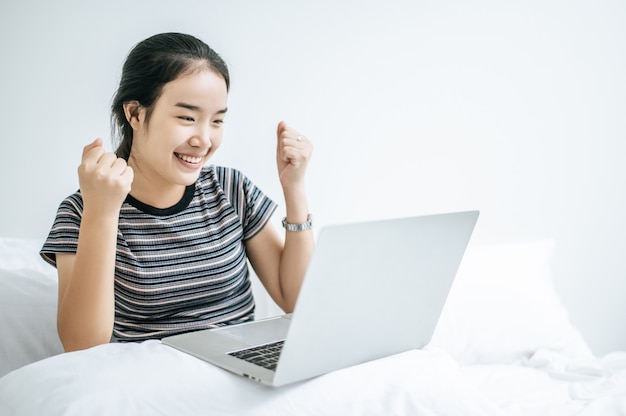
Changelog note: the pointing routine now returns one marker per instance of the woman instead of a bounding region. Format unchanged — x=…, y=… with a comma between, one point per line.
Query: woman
x=155, y=243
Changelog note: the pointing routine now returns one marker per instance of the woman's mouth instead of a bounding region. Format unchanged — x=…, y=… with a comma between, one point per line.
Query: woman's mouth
x=189, y=159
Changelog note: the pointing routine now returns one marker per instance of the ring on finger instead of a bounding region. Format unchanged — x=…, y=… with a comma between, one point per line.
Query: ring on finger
x=299, y=138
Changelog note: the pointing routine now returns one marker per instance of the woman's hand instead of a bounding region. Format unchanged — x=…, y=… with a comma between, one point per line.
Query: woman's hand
x=105, y=180
x=293, y=153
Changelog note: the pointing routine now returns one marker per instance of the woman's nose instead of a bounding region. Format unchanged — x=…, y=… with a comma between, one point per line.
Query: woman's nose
x=202, y=137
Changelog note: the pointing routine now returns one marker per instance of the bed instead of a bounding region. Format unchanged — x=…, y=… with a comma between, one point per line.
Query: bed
x=504, y=346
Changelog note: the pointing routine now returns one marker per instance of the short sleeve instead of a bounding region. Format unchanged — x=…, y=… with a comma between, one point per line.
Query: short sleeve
x=253, y=207
x=63, y=236
x=259, y=209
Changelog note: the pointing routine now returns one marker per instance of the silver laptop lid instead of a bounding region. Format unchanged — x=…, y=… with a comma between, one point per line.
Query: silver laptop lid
x=373, y=289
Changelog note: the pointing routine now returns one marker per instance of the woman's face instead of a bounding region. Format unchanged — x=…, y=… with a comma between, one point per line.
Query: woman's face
x=184, y=130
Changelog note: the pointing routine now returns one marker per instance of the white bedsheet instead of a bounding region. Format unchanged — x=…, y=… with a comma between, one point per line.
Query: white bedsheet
x=550, y=383
x=151, y=378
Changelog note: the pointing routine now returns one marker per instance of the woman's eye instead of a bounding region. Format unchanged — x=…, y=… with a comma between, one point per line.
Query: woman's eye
x=218, y=121
x=190, y=119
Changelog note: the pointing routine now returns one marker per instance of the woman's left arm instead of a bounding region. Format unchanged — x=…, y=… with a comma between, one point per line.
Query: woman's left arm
x=280, y=263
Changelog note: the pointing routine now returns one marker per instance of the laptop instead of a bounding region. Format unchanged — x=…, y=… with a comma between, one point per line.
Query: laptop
x=372, y=289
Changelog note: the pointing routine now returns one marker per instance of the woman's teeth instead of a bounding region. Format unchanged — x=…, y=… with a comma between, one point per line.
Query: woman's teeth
x=189, y=159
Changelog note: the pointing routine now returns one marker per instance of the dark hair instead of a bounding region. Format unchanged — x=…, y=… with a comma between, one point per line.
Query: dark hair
x=150, y=65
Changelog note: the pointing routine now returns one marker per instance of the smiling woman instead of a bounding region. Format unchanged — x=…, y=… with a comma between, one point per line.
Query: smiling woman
x=155, y=242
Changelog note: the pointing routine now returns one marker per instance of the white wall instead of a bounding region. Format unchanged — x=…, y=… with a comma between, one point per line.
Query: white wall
x=514, y=108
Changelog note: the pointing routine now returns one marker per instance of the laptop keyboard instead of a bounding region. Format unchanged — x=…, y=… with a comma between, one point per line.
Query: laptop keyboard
x=265, y=355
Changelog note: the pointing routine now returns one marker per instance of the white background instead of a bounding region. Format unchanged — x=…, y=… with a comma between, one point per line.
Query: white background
x=514, y=108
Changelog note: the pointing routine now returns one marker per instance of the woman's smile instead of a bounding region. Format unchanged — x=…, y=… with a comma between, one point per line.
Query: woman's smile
x=189, y=159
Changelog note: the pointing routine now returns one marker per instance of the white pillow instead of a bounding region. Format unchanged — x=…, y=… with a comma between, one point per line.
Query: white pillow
x=28, y=308
x=22, y=253
x=503, y=306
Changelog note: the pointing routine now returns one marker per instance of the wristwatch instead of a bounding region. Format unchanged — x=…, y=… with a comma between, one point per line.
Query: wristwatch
x=299, y=227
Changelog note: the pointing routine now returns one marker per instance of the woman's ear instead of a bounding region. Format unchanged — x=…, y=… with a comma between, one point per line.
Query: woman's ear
x=132, y=111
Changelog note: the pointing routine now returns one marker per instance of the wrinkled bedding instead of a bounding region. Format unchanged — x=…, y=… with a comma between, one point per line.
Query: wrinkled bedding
x=151, y=378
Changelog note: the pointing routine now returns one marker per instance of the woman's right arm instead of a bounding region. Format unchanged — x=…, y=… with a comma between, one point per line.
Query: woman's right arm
x=86, y=299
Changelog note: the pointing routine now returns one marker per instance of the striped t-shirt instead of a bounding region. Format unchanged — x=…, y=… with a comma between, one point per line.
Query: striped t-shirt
x=181, y=268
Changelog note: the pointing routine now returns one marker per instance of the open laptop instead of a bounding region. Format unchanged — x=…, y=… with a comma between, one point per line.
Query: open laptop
x=372, y=289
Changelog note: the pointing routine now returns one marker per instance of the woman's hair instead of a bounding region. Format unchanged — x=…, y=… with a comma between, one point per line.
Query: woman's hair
x=150, y=65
